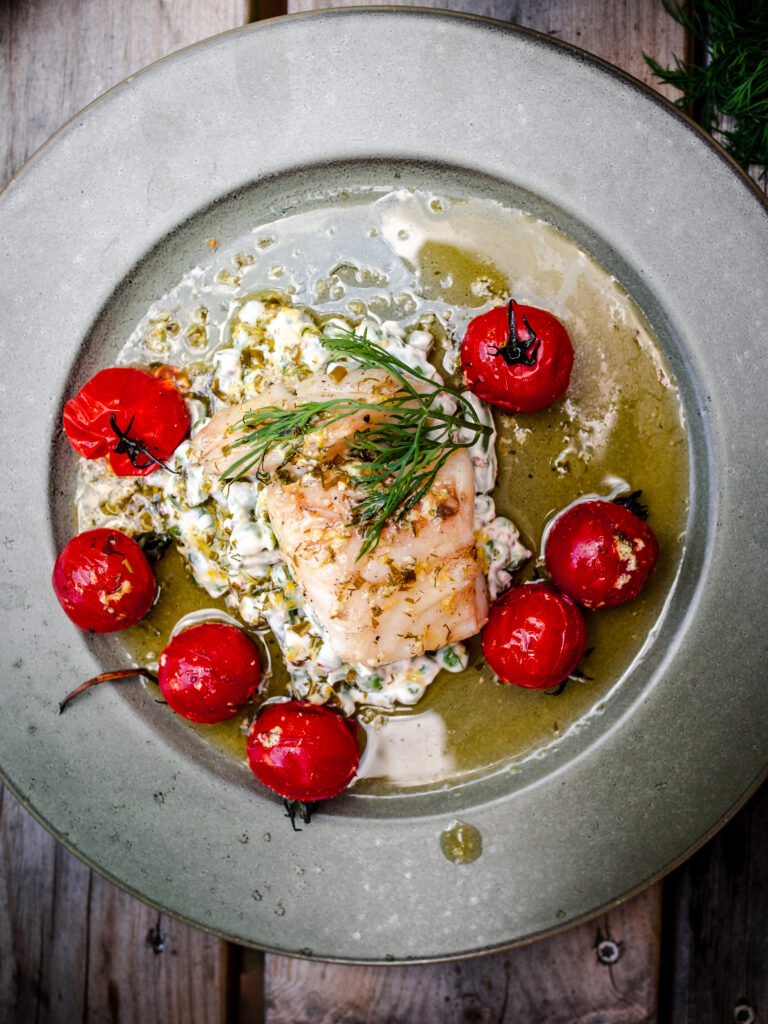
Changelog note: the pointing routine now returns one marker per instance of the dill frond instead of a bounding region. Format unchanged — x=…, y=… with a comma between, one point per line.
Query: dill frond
x=396, y=460
x=732, y=82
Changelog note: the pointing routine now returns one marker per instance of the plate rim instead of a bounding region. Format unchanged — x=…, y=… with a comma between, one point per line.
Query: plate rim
x=556, y=46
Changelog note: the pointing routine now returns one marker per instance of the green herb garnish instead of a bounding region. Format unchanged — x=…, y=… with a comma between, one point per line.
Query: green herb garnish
x=451, y=658
x=395, y=461
x=730, y=79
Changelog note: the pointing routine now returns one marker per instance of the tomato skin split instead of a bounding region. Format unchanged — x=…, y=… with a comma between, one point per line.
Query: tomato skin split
x=147, y=407
x=103, y=581
x=304, y=751
x=600, y=553
x=535, y=636
x=517, y=357
x=208, y=672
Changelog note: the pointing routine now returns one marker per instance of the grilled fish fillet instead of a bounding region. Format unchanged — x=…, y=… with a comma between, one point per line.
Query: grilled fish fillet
x=419, y=589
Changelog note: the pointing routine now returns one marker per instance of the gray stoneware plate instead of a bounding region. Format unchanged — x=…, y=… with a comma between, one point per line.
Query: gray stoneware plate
x=231, y=133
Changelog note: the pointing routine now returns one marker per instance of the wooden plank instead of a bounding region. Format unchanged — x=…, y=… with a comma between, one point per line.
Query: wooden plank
x=45, y=896
x=560, y=980
x=616, y=30
x=76, y=948
x=717, y=944
x=143, y=965
x=57, y=57
x=72, y=947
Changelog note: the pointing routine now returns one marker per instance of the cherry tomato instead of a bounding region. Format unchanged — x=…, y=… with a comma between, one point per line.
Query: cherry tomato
x=134, y=418
x=303, y=751
x=207, y=672
x=535, y=636
x=600, y=553
x=517, y=357
x=103, y=581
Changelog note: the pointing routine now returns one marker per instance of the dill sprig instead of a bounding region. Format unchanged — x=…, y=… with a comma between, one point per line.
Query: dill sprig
x=395, y=460
x=731, y=79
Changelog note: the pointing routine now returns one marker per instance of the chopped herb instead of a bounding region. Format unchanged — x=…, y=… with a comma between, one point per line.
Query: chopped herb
x=451, y=658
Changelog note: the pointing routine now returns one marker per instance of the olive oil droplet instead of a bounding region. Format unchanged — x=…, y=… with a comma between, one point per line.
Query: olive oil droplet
x=461, y=843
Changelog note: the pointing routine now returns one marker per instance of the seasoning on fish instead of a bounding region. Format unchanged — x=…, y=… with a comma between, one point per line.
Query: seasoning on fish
x=421, y=587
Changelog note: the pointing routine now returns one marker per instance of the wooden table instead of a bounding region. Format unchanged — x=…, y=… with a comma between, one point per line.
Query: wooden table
x=692, y=950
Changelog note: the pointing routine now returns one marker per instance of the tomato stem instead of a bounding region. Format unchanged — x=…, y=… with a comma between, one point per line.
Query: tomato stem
x=632, y=504
x=154, y=545
x=301, y=809
x=559, y=688
x=132, y=447
x=126, y=673
x=517, y=352
x=576, y=676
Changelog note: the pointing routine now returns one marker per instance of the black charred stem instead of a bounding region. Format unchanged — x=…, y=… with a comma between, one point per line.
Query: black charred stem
x=133, y=447
x=577, y=676
x=105, y=677
x=558, y=689
x=300, y=809
x=517, y=352
x=632, y=504
x=154, y=545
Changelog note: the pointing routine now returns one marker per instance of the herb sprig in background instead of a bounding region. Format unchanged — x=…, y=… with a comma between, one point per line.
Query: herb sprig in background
x=729, y=76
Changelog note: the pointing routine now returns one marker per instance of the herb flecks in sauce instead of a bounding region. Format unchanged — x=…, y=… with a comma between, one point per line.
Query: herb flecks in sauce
x=620, y=419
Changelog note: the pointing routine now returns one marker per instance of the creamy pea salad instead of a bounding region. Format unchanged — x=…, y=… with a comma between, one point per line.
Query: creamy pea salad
x=223, y=531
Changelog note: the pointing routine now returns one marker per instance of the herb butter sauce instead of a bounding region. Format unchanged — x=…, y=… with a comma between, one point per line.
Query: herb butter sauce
x=433, y=263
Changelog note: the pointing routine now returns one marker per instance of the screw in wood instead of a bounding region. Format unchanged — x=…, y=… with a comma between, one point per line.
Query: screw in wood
x=608, y=952
x=155, y=938
x=743, y=1014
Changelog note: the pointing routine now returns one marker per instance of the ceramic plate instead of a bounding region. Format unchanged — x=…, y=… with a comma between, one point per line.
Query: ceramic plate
x=241, y=130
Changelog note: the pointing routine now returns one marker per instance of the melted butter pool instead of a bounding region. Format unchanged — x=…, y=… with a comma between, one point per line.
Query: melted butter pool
x=437, y=261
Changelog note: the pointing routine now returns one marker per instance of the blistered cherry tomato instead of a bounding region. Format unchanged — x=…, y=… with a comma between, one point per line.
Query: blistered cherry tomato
x=535, y=636
x=207, y=672
x=134, y=418
x=600, y=553
x=304, y=752
x=517, y=357
x=103, y=581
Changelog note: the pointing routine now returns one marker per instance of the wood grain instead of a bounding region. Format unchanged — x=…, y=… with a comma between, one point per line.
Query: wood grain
x=559, y=980
x=76, y=948
x=72, y=946
x=45, y=895
x=617, y=30
x=143, y=965
x=56, y=57
x=717, y=904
